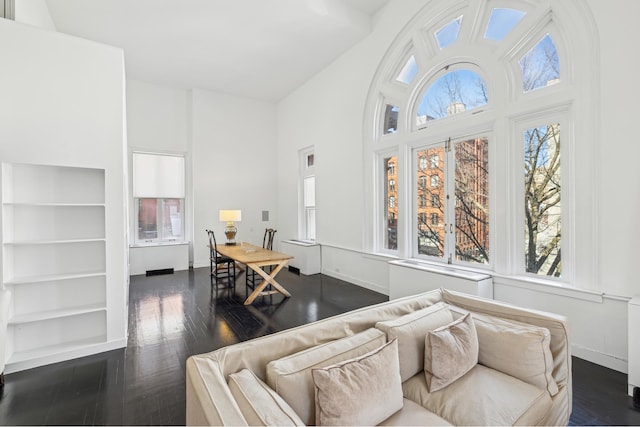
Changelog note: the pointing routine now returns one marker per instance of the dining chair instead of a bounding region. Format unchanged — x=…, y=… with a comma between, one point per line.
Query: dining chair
x=267, y=243
x=222, y=267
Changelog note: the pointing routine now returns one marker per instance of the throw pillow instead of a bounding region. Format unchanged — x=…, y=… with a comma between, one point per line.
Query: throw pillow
x=450, y=352
x=260, y=405
x=291, y=378
x=410, y=330
x=362, y=391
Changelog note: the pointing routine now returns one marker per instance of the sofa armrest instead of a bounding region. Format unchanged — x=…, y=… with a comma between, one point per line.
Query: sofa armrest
x=209, y=400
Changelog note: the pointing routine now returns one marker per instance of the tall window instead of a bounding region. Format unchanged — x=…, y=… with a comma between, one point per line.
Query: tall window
x=482, y=97
x=158, y=190
x=390, y=215
x=308, y=205
x=459, y=228
x=542, y=197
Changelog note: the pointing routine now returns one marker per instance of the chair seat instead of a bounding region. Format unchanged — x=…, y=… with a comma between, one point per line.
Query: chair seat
x=223, y=259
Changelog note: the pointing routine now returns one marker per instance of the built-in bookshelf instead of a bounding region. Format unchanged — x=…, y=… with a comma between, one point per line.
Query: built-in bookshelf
x=54, y=259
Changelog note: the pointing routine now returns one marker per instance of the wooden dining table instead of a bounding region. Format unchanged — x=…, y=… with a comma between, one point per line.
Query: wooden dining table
x=255, y=258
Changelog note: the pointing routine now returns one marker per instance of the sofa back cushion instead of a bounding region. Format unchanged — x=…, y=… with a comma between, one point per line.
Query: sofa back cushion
x=260, y=405
x=517, y=349
x=410, y=330
x=291, y=376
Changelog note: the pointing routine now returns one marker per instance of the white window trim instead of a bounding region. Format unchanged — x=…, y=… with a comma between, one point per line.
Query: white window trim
x=186, y=207
x=305, y=172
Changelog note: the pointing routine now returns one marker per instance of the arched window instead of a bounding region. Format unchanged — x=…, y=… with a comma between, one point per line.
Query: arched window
x=474, y=99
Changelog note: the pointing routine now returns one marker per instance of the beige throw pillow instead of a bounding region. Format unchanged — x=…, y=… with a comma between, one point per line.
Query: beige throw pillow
x=362, y=391
x=290, y=376
x=450, y=352
x=410, y=330
x=517, y=349
x=260, y=405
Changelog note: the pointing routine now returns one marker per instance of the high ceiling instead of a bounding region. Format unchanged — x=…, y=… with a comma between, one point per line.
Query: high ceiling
x=261, y=49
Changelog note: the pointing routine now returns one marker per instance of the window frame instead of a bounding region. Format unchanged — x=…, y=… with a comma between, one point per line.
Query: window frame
x=575, y=36
x=304, y=212
x=160, y=239
x=562, y=116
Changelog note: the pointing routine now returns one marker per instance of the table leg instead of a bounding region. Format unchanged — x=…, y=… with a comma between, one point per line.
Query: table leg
x=267, y=279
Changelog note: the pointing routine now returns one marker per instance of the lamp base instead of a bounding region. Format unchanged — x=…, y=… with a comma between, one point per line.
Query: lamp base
x=230, y=232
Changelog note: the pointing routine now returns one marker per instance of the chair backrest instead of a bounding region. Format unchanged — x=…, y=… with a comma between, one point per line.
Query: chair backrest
x=267, y=240
x=212, y=245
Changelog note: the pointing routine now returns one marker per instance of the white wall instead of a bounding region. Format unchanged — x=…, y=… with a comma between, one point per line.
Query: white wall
x=157, y=117
x=62, y=104
x=328, y=112
x=158, y=121
x=234, y=166
x=618, y=150
x=34, y=12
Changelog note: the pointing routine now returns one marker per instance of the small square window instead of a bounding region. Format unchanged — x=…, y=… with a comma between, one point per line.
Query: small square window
x=434, y=161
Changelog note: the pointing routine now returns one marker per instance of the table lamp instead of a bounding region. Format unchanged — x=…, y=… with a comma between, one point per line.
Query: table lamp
x=230, y=216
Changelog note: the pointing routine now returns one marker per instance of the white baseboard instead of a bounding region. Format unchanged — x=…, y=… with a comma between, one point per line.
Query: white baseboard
x=358, y=282
x=65, y=355
x=601, y=359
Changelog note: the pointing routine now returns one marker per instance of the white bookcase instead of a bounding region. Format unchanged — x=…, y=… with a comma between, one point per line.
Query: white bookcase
x=53, y=259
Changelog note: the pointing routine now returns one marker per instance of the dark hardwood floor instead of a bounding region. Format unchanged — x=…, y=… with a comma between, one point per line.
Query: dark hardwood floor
x=174, y=316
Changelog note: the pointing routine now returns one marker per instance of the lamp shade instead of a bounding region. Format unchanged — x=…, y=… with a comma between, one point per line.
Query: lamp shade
x=230, y=215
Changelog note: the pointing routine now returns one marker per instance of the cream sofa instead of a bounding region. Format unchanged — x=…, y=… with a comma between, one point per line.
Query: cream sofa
x=523, y=374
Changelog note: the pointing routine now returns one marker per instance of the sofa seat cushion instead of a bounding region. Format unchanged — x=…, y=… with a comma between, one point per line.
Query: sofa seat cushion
x=291, y=375
x=413, y=414
x=483, y=396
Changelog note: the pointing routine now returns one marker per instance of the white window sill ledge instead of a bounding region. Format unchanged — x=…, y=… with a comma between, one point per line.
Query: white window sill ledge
x=154, y=244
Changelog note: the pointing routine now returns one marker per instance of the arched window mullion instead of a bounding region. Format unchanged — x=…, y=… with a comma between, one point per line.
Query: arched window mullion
x=473, y=23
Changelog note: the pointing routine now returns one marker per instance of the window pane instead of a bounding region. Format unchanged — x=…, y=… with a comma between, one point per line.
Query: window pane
x=540, y=66
x=502, y=22
x=311, y=223
x=543, y=208
x=172, y=219
x=147, y=219
x=453, y=93
x=391, y=206
x=409, y=71
x=472, y=201
x=390, y=124
x=449, y=33
x=430, y=217
x=310, y=191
